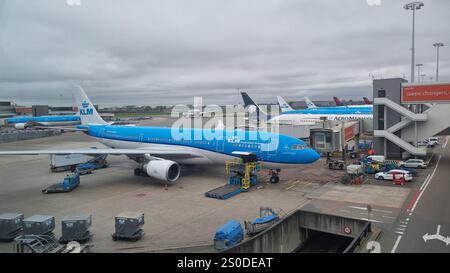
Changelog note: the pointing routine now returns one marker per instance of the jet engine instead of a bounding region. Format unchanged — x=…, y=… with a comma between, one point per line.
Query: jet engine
x=165, y=170
x=20, y=126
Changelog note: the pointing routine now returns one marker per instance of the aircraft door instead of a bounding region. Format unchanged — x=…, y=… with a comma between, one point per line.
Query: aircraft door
x=220, y=145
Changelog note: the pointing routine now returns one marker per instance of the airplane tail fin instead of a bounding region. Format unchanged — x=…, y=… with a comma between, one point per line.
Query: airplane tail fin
x=309, y=103
x=284, y=106
x=86, y=110
x=338, y=101
x=248, y=102
x=366, y=100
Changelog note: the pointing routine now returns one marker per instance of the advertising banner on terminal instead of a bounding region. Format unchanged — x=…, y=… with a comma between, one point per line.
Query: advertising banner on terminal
x=426, y=93
x=351, y=130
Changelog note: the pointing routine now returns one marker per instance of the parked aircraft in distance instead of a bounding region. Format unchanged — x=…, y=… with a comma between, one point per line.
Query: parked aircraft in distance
x=311, y=115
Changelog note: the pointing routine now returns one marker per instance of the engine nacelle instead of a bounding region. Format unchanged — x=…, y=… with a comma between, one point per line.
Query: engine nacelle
x=165, y=170
x=20, y=126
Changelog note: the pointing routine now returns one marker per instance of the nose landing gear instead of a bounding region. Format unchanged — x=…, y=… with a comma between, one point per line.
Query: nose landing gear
x=274, y=178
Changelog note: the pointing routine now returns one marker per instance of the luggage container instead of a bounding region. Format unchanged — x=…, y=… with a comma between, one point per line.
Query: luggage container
x=76, y=228
x=228, y=235
x=60, y=163
x=10, y=225
x=39, y=225
x=128, y=226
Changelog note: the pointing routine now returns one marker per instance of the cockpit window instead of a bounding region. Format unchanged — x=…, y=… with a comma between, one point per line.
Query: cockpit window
x=298, y=147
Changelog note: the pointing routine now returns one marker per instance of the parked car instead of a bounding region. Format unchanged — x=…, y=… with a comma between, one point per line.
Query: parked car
x=389, y=175
x=412, y=171
x=433, y=141
x=425, y=143
x=414, y=163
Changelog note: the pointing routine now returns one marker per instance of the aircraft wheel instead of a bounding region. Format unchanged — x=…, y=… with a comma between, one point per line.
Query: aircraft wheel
x=274, y=179
x=137, y=172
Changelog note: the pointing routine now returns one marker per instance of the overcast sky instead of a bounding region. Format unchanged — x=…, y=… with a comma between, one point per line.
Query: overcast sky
x=165, y=52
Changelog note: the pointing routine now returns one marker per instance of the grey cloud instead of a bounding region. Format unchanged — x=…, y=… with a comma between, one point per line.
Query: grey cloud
x=165, y=52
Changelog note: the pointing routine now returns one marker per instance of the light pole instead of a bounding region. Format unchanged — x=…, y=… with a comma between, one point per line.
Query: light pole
x=418, y=71
x=437, y=46
x=413, y=6
x=421, y=77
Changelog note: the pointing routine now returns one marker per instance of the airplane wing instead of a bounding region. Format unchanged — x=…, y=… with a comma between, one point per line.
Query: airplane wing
x=141, y=152
x=62, y=128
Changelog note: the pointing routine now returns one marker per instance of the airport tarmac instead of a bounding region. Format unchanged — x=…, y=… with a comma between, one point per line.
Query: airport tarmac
x=179, y=216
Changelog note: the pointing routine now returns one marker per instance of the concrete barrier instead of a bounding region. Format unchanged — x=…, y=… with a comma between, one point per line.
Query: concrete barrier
x=11, y=135
x=288, y=235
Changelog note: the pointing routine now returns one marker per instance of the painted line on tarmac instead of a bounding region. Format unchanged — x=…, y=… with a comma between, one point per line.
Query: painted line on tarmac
x=365, y=208
x=425, y=182
x=346, y=211
x=428, y=183
x=418, y=193
x=421, y=191
x=372, y=220
x=413, y=200
x=396, y=243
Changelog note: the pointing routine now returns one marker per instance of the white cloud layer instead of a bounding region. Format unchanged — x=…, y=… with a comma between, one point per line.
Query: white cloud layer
x=167, y=51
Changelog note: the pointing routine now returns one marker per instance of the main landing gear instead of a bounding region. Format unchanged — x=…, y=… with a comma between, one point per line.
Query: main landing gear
x=140, y=172
x=274, y=178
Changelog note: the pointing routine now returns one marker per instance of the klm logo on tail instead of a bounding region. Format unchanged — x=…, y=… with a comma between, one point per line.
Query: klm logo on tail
x=284, y=106
x=86, y=110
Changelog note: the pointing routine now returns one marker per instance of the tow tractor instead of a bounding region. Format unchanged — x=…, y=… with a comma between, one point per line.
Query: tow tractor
x=335, y=164
x=70, y=182
x=98, y=162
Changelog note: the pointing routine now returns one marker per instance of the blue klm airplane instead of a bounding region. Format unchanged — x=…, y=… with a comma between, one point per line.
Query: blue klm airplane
x=160, y=151
x=44, y=121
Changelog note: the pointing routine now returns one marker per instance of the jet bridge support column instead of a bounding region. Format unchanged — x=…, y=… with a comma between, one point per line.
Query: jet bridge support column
x=415, y=133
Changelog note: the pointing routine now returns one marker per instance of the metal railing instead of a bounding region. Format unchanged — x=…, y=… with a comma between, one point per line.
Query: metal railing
x=357, y=240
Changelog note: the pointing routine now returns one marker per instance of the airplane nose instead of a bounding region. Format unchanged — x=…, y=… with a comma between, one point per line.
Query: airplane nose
x=314, y=155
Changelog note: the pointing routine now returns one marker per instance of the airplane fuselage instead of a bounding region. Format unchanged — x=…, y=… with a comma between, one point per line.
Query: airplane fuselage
x=46, y=120
x=211, y=147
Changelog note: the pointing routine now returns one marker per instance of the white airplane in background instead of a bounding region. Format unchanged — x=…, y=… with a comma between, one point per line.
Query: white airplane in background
x=285, y=107
x=197, y=111
x=308, y=116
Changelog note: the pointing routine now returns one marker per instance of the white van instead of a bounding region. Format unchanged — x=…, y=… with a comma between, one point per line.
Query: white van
x=376, y=158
